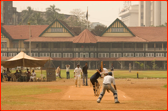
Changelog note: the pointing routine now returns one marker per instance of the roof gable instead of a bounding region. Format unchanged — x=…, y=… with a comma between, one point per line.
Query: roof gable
x=117, y=28
x=5, y=34
x=58, y=24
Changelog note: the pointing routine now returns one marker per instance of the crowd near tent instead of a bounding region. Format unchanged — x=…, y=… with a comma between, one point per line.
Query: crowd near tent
x=24, y=60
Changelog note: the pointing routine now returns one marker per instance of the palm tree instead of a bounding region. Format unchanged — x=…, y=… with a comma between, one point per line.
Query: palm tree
x=26, y=15
x=52, y=13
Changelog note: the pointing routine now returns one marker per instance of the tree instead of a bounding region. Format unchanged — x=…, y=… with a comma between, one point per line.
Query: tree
x=52, y=14
x=79, y=19
x=99, y=29
x=36, y=19
x=140, y=64
x=26, y=14
x=154, y=65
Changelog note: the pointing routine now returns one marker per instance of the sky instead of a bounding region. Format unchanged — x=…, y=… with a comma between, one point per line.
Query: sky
x=104, y=12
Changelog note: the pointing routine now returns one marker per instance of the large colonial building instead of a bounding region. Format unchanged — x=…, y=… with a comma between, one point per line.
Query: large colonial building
x=118, y=44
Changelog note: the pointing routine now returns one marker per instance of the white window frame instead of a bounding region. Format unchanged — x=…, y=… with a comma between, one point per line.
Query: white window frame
x=91, y=55
x=149, y=54
x=84, y=54
x=159, y=54
x=12, y=54
x=56, y=29
x=3, y=54
x=34, y=54
x=115, y=54
x=128, y=54
x=67, y=55
x=44, y=54
x=103, y=55
x=56, y=55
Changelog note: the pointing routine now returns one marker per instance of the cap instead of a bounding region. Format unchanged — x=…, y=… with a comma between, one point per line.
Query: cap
x=110, y=73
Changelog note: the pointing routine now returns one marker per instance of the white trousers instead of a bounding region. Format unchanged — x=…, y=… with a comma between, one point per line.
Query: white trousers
x=77, y=79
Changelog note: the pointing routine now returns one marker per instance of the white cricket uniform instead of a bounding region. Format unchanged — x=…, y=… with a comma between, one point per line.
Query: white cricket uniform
x=2, y=68
x=78, y=74
x=108, y=80
x=105, y=71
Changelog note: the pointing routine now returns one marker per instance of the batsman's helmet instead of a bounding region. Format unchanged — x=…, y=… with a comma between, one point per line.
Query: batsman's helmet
x=110, y=73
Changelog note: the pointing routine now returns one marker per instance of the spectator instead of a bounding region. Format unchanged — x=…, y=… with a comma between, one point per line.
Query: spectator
x=8, y=74
x=33, y=75
x=85, y=68
x=28, y=75
x=67, y=71
x=58, y=71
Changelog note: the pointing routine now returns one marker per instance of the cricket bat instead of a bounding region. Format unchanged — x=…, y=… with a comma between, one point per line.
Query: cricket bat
x=101, y=66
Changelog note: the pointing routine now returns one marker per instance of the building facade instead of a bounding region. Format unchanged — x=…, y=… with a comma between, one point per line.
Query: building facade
x=118, y=45
x=152, y=13
x=129, y=15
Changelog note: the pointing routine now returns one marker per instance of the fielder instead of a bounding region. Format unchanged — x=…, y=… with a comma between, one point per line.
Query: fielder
x=77, y=75
x=108, y=79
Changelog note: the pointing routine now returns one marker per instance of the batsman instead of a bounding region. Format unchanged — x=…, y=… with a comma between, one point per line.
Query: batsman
x=95, y=76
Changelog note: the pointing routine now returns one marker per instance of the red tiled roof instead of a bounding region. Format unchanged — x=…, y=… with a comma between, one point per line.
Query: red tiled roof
x=51, y=39
x=22, y=31
x=85, y=37
x=151, y=34
x=119, y=39
x=76, y=59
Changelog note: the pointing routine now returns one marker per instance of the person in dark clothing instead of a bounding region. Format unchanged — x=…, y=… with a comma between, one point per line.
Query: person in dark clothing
x=112, y=67
x=8, y=74
x=28, y=75
x=94, y=78
x=85, y=68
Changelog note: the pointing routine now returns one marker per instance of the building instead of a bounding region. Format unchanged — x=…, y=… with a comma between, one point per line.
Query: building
x=152, y=13
x=8, y=13
x=129, y=15
x=118, y=44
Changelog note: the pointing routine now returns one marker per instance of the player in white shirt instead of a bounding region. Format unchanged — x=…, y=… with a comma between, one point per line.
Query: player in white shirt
x=108, y=79
x=77, y=75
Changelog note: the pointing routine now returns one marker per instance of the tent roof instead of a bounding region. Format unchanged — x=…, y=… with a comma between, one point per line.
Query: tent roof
x=24, y=60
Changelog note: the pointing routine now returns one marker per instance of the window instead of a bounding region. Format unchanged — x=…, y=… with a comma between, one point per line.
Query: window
x=159, y=54
x=44, y=54
x=12, y=54
x=3, y=54
x=57, y=55
x=139, y=54
x=34, y=54
x=67, y=55
x=91, y=55
x=103, y=55
x=56, y=29
x=128, y=54
x=115, y=54
x=84, y=55
x=3, y=44
x=149, y=54
x=117, y=29
x=44, y=45
x=95, y=55
x=15, y=44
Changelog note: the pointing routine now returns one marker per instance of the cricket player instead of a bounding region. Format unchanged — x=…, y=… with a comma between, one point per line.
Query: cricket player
x=108, y=79
x=77, y=75
x=94, y=77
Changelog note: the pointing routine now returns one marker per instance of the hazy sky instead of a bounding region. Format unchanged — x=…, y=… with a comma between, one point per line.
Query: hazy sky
x=104, y=12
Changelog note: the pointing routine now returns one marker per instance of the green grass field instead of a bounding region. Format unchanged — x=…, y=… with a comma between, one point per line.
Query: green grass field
x=117, y=74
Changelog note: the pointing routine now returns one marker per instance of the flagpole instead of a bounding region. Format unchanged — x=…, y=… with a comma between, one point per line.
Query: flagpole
x=87, y=18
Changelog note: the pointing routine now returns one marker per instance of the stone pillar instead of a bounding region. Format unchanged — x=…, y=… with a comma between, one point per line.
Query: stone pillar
x=144, y=65
x=133, y=65
x=89, y=65
x=162, y=47
x=135, y=47
x=146, y=46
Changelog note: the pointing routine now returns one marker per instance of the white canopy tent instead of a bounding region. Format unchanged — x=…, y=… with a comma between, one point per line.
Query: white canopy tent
x=24, y=60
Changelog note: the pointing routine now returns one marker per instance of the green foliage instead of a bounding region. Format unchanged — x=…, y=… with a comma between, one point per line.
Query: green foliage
x=154, y=65
x=99, y=29
x=140, y=64
x=165, y=86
